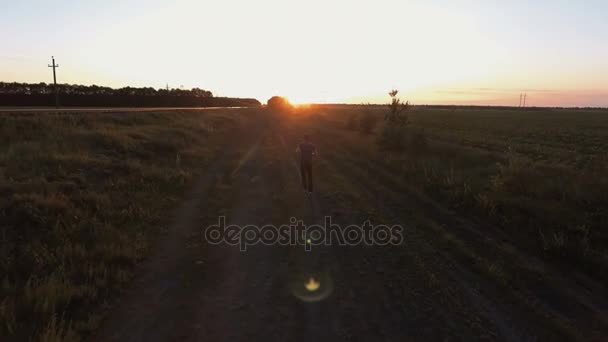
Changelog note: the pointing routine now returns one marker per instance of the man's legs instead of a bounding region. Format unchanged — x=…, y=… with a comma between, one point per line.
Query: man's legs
x=303, y=174
x=309, y=178
x=306, y=174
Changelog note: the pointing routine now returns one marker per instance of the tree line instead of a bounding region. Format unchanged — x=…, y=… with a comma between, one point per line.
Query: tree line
x=42, y=94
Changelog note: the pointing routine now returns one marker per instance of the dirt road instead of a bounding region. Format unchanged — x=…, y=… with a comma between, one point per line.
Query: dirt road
x=190, y=290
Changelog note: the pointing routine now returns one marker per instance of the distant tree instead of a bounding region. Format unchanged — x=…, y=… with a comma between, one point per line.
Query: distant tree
x=201, y=93
x=279, y=103
x=40, y=94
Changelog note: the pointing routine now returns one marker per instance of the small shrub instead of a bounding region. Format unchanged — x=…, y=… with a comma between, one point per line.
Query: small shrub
x=393, y=136
x=397, y=114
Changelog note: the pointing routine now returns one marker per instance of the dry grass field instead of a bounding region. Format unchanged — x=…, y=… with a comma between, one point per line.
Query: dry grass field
x=83, y=196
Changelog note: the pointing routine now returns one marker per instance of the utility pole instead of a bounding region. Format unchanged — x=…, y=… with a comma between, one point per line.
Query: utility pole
x=520, y=98
x=55, y=82
x=525, y=95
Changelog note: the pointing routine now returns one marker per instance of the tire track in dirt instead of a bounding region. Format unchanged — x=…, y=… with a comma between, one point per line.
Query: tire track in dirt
x=320, y=317
x=235, y=307
x=355, y=307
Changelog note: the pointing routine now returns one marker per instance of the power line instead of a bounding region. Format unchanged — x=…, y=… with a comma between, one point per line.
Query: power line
x=54, y=66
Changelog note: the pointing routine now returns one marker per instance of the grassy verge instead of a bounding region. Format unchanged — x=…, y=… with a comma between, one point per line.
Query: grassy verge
x=82, y=196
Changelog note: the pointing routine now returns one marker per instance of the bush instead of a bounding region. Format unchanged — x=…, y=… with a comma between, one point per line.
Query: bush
x=393, y=136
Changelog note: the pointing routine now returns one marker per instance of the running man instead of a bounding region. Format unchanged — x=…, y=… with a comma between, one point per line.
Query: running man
x=306, y=150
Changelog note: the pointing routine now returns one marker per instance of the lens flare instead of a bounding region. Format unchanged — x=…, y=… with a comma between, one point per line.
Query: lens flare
x=311, y=287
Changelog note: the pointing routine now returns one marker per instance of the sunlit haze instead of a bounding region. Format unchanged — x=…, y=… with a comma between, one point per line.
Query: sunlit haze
x=435, y=52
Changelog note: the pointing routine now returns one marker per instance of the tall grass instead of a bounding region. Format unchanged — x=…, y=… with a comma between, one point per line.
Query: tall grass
x=82, y=197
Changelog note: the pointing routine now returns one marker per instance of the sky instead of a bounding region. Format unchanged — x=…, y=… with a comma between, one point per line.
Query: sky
x=324, y=51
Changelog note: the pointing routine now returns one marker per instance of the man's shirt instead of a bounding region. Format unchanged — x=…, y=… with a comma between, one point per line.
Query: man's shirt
x=306, y=151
